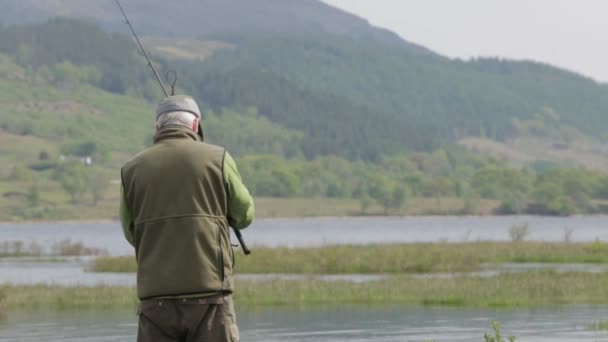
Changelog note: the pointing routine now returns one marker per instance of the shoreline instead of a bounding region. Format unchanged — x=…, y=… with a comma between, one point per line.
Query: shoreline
x=353, y=217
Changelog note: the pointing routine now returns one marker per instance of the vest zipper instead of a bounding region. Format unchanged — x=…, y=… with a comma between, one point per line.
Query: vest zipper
x=220, y=240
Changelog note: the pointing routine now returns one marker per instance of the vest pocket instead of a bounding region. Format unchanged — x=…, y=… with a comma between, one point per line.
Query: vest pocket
x=189, y=262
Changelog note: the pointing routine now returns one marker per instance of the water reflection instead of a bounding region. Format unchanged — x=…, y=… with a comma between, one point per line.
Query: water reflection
x=418, y=325
x=70, y=272
x=359, y=324
x=73, y=272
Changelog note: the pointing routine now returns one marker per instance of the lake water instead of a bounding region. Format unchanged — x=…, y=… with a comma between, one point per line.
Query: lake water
x=319, y=232
x=74, y=272
x=352, y=324
x=349, y=324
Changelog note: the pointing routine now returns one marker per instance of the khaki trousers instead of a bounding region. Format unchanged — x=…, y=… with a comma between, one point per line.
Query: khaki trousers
x=209, y=319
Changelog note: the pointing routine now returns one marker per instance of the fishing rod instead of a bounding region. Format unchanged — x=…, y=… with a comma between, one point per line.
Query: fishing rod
x=143, y=50
x=237, y=232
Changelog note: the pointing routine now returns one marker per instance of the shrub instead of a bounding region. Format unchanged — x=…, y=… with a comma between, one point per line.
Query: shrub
x=497, y=335
x=518, y=232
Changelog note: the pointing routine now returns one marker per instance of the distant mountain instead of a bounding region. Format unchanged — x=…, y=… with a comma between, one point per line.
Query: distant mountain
x=354, y=90
x=68, y=51
x=200, y=18
x=482, y=97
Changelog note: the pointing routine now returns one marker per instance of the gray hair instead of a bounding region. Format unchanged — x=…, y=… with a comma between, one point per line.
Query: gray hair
x=185, y=119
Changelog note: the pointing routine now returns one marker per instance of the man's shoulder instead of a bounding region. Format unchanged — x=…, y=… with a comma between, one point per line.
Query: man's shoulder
x=134, y=159
x=212, y=149
x=202, y=147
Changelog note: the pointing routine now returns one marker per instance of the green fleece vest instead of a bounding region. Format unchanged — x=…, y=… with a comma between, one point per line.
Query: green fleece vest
x=177, y=197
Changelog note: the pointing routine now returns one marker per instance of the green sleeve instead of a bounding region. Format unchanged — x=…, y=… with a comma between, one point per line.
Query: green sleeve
x=240, y=203
x=125, y=218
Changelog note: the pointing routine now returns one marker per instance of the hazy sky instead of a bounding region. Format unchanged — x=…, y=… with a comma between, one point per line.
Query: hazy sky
x=572, y=34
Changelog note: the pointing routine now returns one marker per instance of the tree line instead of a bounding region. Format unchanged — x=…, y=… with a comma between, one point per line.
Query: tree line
x=392, y=183
x=441, y=174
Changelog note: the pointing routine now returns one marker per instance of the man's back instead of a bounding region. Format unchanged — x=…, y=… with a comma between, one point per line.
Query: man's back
x=178, y=203
x=176, y=168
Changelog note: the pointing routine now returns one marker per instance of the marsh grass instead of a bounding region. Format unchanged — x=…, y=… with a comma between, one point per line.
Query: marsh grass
x=396, y=259
x=123, y=264
x=68, y=298
x=61, y=248
x=20, y=249
x=2, y=298
x=74, y=248
x=527, y=290
x=534, y=289
x=599, y=326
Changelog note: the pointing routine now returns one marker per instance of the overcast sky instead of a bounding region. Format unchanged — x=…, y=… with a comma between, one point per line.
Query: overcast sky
x=572, y=34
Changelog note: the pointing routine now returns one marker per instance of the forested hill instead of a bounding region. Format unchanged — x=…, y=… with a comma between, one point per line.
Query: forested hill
x=353, y=90
x=199, y=18
x=331, y=124
x=327, y=52
x=456, y=98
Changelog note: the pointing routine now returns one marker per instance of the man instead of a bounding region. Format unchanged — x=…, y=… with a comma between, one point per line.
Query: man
x=179, y=198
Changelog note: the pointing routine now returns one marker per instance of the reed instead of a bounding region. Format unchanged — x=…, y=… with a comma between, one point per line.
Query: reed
x=74, y=248
x=396, y=259
x=67, y=298
x=61, y=248
x=20, y=249
x=527, y=290
x=599, y=326
x=122, y=264
x=534, y=289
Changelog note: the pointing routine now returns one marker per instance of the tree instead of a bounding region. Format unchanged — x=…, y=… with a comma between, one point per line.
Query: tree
x=33, y=195
x=20, y=173
x=73, y=178
x=439, y=186
x=380, y=190
x=97, y=183
x=43, y=155
x=398, y=198
x=365, y=201
x=287, y=181
x=513, y=203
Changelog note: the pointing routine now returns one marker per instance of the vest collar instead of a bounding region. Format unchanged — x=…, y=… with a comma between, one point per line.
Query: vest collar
x=175, y=132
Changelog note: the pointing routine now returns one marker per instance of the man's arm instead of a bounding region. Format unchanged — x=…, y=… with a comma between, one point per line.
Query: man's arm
x=240, y=203
x=125, y=218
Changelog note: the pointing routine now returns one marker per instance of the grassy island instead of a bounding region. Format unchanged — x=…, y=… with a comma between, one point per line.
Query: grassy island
x=396, y=259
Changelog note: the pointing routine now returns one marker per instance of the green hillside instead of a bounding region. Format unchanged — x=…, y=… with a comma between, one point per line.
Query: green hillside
x=332, y=125
x=457, y=99
x=367, y=122
x=329, y=52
